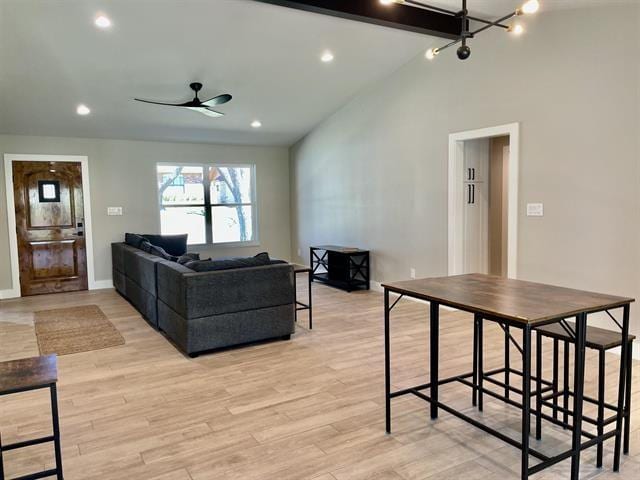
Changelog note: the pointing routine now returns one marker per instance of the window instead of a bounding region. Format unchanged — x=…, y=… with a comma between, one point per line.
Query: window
x=212, y=203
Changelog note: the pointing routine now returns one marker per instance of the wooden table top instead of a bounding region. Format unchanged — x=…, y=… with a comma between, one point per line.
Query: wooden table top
x=27, y=373
x=299, y=268
x=339, y=249
x=515, y=300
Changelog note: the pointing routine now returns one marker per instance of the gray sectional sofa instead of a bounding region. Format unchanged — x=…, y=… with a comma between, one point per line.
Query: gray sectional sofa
x=201, y=311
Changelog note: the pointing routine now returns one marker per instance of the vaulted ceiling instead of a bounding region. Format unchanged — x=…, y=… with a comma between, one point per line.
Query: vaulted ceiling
x=52, y=58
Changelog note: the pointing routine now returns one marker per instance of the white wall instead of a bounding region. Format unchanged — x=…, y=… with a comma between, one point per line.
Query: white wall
x=374, y=175
x=122, y=173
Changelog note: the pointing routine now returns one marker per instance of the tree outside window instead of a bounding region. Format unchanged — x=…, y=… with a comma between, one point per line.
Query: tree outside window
x=212, y=203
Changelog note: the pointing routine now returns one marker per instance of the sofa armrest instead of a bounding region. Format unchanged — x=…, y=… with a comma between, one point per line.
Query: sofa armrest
x=195, y=295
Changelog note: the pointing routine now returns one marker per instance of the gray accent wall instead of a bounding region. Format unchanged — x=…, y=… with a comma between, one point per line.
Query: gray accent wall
x=122, y=174
x=374, y=174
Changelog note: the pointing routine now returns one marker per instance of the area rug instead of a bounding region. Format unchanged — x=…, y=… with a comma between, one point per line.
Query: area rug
x=73, y=330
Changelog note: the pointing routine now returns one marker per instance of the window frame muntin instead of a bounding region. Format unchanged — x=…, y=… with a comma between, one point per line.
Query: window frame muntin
x=255, y=241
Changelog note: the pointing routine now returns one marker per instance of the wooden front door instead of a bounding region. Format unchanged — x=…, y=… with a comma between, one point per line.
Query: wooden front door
x=50, y=227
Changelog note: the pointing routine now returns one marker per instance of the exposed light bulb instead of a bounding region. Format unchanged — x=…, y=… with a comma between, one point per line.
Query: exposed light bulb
x=516, y=29
x=256, y=124
x=83, y=110
x=102, y=21
x=531, y=6
x=386, y=2
x=327, y=57
x=431, y=53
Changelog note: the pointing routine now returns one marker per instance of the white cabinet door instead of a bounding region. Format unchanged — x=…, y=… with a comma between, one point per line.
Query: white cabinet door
x=476, y=205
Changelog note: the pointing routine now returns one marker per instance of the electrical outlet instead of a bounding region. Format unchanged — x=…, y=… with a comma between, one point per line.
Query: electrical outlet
x=412, y=272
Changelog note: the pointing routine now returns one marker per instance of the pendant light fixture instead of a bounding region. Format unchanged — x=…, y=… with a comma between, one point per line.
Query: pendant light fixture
x=464, y=51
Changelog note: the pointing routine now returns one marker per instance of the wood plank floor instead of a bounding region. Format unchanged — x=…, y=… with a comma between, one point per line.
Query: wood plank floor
x=309, y=408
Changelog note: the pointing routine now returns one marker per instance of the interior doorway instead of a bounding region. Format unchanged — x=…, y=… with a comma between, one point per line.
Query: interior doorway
x=483, y=180
x=48, y=210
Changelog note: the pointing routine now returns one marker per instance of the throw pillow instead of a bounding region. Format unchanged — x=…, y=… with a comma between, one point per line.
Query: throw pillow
x=188, y=257
x=259, y=260
x=160, y=252
x=172, y=244
x=145, y=246
x=133, y=239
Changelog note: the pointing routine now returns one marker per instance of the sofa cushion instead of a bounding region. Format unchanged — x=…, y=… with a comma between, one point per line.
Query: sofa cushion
x=188, y=257
x=230, y=263
x=172, y=244
x=133, y=239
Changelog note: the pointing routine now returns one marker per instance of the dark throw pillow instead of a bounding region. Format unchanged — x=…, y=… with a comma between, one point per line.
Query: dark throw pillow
x=160, y=252
x=188, y=257
x=172, y=244
x=145, y=246
x=230, y=263
x=133, y=239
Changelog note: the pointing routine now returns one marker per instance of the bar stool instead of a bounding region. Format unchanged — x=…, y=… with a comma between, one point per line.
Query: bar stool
x=598, y=339
x=601, y=340
x=32, y=374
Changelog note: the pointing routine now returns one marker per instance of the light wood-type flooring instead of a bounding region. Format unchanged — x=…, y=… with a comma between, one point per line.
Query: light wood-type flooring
x=308, y=408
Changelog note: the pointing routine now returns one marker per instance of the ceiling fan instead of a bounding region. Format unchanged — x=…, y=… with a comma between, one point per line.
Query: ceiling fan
x=196, y=104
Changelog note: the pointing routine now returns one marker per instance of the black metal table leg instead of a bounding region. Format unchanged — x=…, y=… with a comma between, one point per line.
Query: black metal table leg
x=538, y=385
x=1, y=461
x=578, y=389
x=627, y=402
x=526, y=400
x=507, y=361
x=295, y=296
x=310, y=302
x=565, y=384
x=56, y=431
x=621, y=387
x=554, y=383
x=601, y=400
x=387, y=362
x=479, y=320
x=474, y=391
x=434, y=334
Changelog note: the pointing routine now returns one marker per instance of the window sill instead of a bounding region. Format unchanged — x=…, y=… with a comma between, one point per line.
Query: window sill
x=254, y=243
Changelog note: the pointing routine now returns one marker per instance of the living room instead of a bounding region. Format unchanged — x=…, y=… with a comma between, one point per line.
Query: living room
x=409, y=145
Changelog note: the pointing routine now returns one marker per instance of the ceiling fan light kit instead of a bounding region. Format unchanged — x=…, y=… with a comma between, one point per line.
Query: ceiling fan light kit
x=464, y=51
x=196, y=104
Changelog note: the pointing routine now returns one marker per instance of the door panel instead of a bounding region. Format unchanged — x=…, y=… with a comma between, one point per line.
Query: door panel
x=49, y=226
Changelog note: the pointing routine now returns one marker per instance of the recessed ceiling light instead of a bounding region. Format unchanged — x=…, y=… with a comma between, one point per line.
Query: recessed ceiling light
x=327, y=56
x=256, y=124
x=102, y=21
x=83, y=109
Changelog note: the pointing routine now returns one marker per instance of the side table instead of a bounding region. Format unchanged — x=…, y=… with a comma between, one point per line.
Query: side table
x=27, y=374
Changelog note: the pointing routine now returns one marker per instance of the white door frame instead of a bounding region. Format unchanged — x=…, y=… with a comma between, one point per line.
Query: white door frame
x=456, y=194
x=11, y=216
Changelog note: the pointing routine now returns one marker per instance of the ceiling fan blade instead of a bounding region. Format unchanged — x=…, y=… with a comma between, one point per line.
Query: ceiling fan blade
x=219, y=100
x=187, y=104
x=207, y=111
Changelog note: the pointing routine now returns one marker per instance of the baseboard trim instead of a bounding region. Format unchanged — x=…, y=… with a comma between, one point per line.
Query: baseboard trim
x=101, y=284
x=10, y=293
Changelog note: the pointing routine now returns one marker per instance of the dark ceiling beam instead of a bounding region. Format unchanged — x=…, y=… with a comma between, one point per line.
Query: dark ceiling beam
x=371, y=11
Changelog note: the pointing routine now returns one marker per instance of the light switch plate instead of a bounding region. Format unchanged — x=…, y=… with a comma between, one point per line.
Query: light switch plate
x=535, y=210
x=114, y=211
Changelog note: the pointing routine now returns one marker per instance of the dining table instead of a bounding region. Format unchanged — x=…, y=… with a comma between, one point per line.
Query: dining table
x=512, y=304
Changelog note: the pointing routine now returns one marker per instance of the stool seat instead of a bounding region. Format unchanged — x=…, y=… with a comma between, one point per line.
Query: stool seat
x=28, y=374
x=597, y=338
